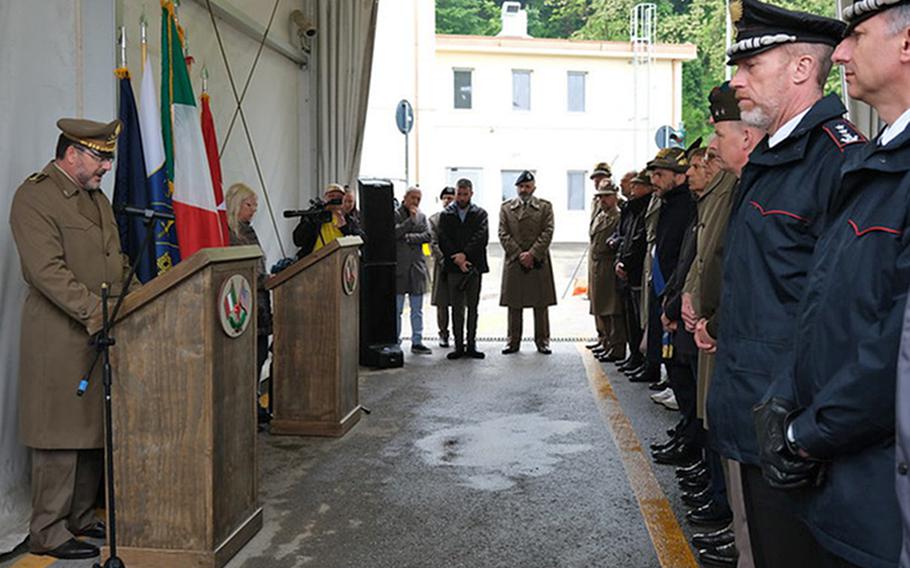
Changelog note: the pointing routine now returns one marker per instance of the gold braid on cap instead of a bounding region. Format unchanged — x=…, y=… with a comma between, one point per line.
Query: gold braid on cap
x=736, y=10
x=108, y=146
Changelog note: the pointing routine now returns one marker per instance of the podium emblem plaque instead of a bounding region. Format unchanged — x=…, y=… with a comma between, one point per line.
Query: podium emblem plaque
x=349, y=274
x=235, y=305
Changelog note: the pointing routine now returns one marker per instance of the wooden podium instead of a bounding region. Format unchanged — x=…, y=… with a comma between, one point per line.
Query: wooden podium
x=184, y=414
x=315, y=346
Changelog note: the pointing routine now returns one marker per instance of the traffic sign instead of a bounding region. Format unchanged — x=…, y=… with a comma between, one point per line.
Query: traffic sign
x=404, y=116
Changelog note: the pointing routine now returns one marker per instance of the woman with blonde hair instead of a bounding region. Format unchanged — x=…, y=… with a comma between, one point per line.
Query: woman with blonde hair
x=241, y=203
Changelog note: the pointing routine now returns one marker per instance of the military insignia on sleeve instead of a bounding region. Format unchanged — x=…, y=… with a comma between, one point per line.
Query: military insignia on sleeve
x=36, y=177
x=843, y=133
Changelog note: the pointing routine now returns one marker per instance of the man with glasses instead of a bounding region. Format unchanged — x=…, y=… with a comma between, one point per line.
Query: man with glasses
x=68, y=243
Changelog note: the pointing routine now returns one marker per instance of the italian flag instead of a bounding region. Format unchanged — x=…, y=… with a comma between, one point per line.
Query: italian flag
x=186, y=163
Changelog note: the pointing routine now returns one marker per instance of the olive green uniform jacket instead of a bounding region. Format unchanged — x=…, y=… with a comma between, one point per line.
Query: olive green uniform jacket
x=68, y=245
x=652, y=214
x=602, y=286
x=527, y=228
x=714, y=206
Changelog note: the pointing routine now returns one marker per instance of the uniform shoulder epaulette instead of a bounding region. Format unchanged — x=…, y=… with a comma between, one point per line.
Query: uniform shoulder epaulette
x=36, y=177
x=843, y=133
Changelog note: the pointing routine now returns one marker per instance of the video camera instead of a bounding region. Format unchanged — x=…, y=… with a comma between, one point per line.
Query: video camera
x=317, y=212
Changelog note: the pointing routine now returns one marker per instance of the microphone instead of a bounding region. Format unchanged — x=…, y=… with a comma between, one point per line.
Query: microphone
x=140, y=212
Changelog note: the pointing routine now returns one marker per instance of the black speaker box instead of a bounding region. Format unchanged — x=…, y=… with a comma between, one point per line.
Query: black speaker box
x=377, y=211
x=378, y=333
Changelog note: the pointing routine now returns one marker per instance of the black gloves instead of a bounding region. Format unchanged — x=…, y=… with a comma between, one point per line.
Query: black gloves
x=782, y=467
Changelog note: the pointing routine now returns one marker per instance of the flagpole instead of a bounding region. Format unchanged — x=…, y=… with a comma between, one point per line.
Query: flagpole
x=143, y=38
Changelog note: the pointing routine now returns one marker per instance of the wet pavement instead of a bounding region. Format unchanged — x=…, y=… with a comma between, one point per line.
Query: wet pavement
x=506, y=462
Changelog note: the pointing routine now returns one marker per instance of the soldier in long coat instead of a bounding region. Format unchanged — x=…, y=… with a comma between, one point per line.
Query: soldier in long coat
x=600, y=173
x=525, y=232
x=606, y=302
x=68, y=244
x=439, y=296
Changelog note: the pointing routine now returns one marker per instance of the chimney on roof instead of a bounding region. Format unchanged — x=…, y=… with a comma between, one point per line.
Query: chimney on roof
x=514, y=20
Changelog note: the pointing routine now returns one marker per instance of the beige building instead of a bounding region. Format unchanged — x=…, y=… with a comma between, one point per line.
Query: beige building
x=488, y=107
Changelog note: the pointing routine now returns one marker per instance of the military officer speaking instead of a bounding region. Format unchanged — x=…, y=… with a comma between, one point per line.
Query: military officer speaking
x=525, y=232
x=68, y=244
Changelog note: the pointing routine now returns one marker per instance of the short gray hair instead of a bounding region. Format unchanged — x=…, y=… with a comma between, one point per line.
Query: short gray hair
x=820, y=52
x=898, y=18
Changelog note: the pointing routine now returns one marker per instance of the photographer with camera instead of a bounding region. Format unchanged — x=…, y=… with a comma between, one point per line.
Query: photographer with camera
x=322, y=223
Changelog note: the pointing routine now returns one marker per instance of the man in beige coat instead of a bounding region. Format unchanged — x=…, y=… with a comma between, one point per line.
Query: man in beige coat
x=525, y=232
x=68, y=245
x=606, y=302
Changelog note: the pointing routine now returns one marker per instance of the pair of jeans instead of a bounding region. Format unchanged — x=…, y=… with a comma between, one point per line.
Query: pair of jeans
x=416, y=303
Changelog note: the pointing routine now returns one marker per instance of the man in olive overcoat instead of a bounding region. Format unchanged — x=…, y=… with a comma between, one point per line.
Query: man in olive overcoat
x=606, y=302
x=525, y=232
x=68, y=244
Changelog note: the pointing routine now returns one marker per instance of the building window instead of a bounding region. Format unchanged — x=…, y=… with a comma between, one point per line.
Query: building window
x=521, y=89
x=576, y=86
x=508, y=183
x=473, y=174
x=462, y=89
x=576, y=186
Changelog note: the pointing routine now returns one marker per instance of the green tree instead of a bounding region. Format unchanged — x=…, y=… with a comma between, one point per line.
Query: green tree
x=468, y=17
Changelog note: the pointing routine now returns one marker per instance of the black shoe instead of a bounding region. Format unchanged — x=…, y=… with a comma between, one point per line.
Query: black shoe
x=629, y=371
x=697, y=499
x=624, y=363
x=659, y=385
x=646, y=376
x=96, y=530
x=679, y=454
x=443, y=341
x=724, y=555
x=713, y=513
x=713, y=539
x=73, y=550
x=421, y=349
x=695, y=484
x=457, y=354
x=544, y=350
x=659, y=446
x=509, y=349
x=685, y=471
x=594, y=345
x=613, y=358
x=473, y=353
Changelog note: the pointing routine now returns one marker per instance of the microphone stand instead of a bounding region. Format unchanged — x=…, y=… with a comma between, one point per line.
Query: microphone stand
x=103, y=342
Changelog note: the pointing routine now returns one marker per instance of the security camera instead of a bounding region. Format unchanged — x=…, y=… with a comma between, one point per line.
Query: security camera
x=305, y=27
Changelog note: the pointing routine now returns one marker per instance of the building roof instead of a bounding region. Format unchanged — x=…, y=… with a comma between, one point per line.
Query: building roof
x=559, y=47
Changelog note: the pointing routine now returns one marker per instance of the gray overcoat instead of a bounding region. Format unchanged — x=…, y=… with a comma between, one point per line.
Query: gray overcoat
x=411, y=232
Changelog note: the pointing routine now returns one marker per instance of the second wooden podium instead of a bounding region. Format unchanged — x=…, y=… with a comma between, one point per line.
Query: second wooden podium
x=315, y=346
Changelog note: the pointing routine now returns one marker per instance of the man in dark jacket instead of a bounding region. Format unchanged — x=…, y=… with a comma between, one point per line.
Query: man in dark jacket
x=629, y=261
x=833, y=407
x=463, y=236
x=677, y=209
x=778, y=215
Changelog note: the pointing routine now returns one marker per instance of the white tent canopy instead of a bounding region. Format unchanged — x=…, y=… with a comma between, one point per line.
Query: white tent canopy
x=306, y=123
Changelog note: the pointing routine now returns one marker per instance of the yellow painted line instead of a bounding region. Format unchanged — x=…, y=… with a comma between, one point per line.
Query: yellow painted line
x=32, y=561
x=669, y=542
